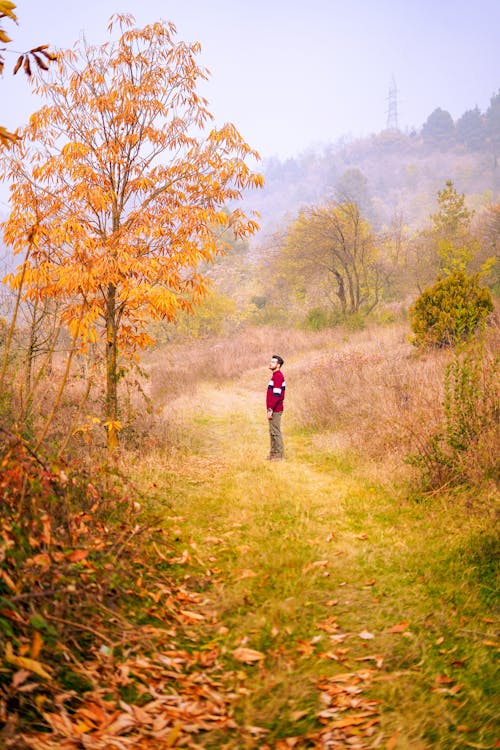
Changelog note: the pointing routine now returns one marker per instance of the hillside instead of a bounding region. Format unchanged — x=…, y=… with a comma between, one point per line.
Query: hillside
x=399, y=172
x=391, y=172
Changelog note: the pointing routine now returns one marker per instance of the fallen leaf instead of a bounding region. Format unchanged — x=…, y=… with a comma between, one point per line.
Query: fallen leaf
x=248, y=655
x=352, y=721
x=77, y=555
x=399, y=628
x=305, y=648
x=296, y=715
x=246, y=574
x=172, y=736
x=392, y=741
x=36, y=644
x=42, y=560
x=365, y=635
x=25, y=663
x=191, y=615
x=379, y=660
x=315, y=564
x=19, y=677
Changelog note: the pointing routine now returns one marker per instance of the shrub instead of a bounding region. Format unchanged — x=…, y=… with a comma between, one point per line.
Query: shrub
x=450, y=310
x=464, y=448
x=317, y=319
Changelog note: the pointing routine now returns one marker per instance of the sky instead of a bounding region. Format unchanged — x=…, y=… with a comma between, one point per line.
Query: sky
x=295, y=75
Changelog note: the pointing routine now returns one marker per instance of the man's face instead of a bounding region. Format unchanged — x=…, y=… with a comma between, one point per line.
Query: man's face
x=273, y=364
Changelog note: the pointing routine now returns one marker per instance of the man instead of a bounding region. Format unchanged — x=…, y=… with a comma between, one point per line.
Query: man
x=274, y=402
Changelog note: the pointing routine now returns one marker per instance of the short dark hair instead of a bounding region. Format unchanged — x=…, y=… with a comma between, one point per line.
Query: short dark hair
x=278, y=359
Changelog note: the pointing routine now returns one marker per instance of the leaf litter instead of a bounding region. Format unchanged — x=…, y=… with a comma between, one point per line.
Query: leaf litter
x=79, y=671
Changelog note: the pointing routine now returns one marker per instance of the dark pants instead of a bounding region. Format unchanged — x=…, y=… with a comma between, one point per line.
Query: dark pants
x=277, y=445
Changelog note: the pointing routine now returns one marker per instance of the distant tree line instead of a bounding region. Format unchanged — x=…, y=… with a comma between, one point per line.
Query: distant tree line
x=474, y=130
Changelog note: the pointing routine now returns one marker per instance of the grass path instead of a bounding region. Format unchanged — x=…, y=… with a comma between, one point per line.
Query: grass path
x=325, y=576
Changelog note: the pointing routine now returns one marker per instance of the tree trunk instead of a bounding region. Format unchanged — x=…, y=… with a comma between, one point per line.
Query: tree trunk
x=111, y=369
x=341, y=291
x=30, y=356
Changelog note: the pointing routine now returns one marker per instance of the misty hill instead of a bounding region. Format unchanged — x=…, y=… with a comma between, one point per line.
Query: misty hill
x=391, y=172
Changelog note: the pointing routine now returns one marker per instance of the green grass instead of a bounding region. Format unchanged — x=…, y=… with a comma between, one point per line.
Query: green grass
x=291, y=546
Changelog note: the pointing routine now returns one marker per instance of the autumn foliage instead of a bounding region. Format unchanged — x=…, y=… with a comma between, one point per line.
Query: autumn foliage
x=120, y=190
x=73, y=562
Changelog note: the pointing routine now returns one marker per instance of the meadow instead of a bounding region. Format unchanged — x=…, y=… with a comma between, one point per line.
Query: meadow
x=335, y=564
x=200, y=596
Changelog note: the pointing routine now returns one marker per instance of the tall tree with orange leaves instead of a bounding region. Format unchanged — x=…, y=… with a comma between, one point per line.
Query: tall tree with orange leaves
x=120, y=187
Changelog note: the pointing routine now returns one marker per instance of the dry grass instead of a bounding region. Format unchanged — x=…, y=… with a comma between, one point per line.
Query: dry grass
x=180, y=367
x=375, y=393
x=367, y=392
x=367, y=387
x=310, y=541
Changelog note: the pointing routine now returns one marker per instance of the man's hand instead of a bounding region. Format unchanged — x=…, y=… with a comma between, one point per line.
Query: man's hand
x=269, y=413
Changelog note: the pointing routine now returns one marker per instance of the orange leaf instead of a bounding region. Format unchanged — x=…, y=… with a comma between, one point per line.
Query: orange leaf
x=36, y=645
x=247, y=573
x=248, y=655
x=191, y=615
x=77, y=555
x=399, y=628
x=349, y=722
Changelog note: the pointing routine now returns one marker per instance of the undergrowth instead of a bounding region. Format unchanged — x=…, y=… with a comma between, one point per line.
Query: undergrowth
x=88, y=609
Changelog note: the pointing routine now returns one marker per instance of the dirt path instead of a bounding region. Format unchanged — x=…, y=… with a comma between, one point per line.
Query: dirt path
x=331, y=601
x=281, y=544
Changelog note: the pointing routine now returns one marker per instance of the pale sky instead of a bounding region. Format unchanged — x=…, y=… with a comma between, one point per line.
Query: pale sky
x=297, y=74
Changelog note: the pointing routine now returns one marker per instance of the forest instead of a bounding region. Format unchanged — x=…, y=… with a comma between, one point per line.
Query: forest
x=162, y=584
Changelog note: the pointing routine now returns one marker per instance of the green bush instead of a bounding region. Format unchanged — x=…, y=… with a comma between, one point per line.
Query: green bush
x=450, y=310
x=317, y=319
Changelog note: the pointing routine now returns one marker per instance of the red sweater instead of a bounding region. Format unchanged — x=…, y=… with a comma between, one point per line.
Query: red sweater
x=276, y=391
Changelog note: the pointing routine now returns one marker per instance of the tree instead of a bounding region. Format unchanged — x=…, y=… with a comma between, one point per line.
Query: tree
x=470, y=129
x=487, y=230
x=352, y=187
x=118, y=189
x=334, y=245
x=451, y=231
x=438, y=129
x=492, y=118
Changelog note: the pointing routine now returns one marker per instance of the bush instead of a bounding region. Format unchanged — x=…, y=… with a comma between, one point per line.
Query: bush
x=317, y=319
x=450, y=310
x=464, y=448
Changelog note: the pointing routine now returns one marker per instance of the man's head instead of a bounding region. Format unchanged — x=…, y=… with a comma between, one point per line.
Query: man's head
x=276, y=362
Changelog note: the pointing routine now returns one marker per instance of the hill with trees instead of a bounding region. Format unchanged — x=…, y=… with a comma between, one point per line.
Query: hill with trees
x=392, y=172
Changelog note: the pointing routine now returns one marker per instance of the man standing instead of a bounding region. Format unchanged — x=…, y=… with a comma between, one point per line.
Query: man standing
x=274, y=402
